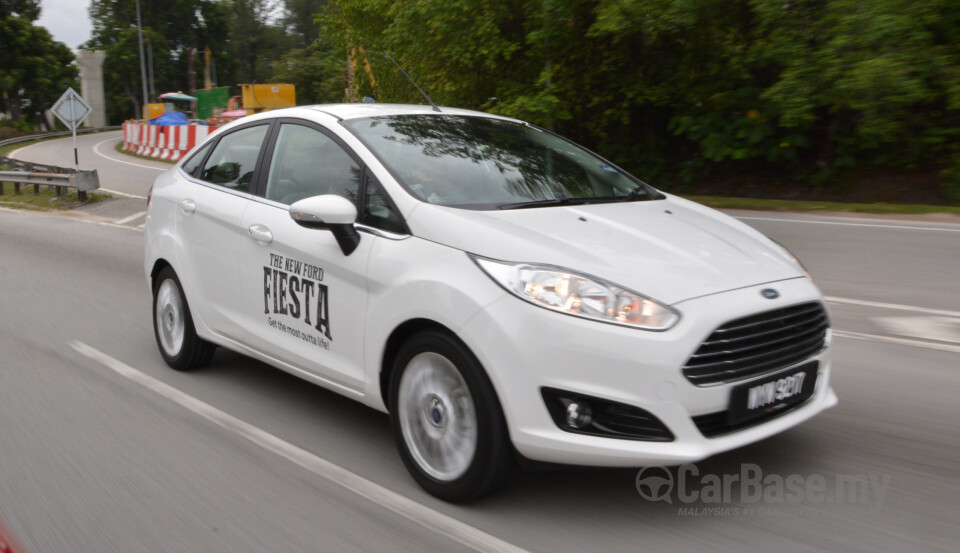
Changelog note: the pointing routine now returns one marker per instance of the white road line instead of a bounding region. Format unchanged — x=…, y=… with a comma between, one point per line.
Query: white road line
x=130, y=218
x=894, y=340
x=114, y=225
x=13, y=154
x=865, y=303
x=124, y=194
x=96, y=150
x=411, y=510
x=870, y=225
x=106, y=224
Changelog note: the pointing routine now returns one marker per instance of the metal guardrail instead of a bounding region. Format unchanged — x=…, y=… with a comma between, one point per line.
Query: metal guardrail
x=30, y=137
x=81, y=180
x=39, y=174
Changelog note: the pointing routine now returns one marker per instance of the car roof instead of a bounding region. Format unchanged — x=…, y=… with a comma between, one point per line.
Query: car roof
x=359, y=110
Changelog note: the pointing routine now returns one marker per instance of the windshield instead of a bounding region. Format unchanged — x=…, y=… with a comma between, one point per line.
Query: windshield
x=485, y=163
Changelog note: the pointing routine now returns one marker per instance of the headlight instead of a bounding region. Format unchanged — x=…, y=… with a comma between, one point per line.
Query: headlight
x=579, y=295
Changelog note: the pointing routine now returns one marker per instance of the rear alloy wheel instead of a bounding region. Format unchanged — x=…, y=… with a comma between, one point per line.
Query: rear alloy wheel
x=447, y=420
x=177, y=338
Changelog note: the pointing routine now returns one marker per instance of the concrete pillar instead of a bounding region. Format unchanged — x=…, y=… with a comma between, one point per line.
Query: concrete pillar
x=91, y=86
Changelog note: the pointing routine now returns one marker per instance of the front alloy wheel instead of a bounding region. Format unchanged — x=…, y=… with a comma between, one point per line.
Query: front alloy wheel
x=437, y=416
x=447, y=419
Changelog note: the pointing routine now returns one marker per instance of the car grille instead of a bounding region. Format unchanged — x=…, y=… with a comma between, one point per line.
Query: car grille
x=759, y=344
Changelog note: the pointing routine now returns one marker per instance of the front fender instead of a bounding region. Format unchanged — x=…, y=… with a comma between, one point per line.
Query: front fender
x=418, y=279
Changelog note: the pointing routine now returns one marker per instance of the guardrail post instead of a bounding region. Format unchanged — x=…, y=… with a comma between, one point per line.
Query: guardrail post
x=28, y=167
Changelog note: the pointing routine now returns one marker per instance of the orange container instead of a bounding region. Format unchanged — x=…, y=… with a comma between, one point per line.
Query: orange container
x=259, y=97
x=152, y=110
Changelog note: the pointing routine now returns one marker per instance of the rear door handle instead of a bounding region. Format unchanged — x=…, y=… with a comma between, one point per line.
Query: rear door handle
x=188, y=206
x=260, y=233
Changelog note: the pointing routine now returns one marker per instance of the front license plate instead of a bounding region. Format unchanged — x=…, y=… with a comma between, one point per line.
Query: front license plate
x=766, y=396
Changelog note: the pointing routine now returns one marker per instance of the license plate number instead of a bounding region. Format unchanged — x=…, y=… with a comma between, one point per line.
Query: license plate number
x=774, y=393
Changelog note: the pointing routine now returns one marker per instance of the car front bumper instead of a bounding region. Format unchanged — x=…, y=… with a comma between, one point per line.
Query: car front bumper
x=526, y=348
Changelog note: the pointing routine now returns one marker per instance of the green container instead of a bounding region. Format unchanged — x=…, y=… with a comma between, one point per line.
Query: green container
x=213, y=98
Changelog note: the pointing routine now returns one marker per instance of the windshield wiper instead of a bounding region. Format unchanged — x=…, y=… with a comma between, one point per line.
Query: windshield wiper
x=629, y=197
x=546, y=203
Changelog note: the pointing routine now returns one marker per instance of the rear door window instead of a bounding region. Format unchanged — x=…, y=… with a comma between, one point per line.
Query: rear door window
x=234, y=159
x=191, y=165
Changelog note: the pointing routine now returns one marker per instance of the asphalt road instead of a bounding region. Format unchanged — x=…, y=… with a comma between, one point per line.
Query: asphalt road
x=103, y=448
x=119, y=173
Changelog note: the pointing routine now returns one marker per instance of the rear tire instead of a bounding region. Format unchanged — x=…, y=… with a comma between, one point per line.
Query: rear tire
x=446, y=419
x=173, y=328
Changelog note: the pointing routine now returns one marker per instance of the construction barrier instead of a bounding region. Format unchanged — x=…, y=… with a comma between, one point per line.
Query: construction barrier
x=162, y=142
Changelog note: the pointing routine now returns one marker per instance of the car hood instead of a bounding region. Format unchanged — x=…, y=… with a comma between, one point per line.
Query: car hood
x=670, y=249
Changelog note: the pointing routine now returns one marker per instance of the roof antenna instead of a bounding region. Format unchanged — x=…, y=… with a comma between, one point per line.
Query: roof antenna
x=435, y=108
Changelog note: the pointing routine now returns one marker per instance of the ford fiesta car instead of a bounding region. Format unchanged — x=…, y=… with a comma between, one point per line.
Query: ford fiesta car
x=502, y=292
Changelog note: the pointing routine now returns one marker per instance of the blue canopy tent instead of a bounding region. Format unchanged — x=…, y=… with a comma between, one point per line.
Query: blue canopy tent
x=170, y=119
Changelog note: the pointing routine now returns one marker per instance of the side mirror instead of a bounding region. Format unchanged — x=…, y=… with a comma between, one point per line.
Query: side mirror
x=334, y=213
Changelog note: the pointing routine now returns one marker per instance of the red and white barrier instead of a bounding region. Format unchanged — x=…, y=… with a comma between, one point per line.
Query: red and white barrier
x=163, y=142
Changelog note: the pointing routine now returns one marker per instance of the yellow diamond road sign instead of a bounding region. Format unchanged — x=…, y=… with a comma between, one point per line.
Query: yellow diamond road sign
x=71, y=109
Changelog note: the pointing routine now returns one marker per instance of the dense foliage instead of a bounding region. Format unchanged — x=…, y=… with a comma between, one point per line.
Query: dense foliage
x=34, y=69
x=780, y=92
x=251, y=41
x=677, y=89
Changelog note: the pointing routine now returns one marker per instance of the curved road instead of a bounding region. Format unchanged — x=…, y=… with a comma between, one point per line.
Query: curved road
x=119, y=173
x=103, y=448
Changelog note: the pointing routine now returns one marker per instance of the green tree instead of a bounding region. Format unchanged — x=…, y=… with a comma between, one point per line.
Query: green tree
x=681, y=89
x=256, y=44
x=27, y=9
x=316, y=73
x=299, y=16
x=34, y=68
x=177, y=30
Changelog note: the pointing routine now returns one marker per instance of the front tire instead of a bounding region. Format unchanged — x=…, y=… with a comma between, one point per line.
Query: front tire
x=447, y=420
x=173, y=328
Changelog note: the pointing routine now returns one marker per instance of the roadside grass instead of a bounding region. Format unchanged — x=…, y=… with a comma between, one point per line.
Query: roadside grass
x=798, y=205
x=46, y=199
x=119, y=148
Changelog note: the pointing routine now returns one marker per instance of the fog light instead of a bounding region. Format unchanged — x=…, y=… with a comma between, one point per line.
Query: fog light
x=579, y=415
x=594, y=416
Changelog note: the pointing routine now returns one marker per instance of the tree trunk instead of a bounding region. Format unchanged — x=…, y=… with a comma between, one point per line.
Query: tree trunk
x=137, y=112
x=13, y=104
x=191, y=71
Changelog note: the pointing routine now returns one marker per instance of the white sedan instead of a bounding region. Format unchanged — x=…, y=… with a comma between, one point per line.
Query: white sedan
x=502, y=292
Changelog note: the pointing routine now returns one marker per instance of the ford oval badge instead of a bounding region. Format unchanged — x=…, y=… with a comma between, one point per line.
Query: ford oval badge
x=770, y=293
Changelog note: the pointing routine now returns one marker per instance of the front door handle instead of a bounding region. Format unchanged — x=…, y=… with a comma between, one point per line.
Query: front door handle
x=188, y=206
x=260, y=233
